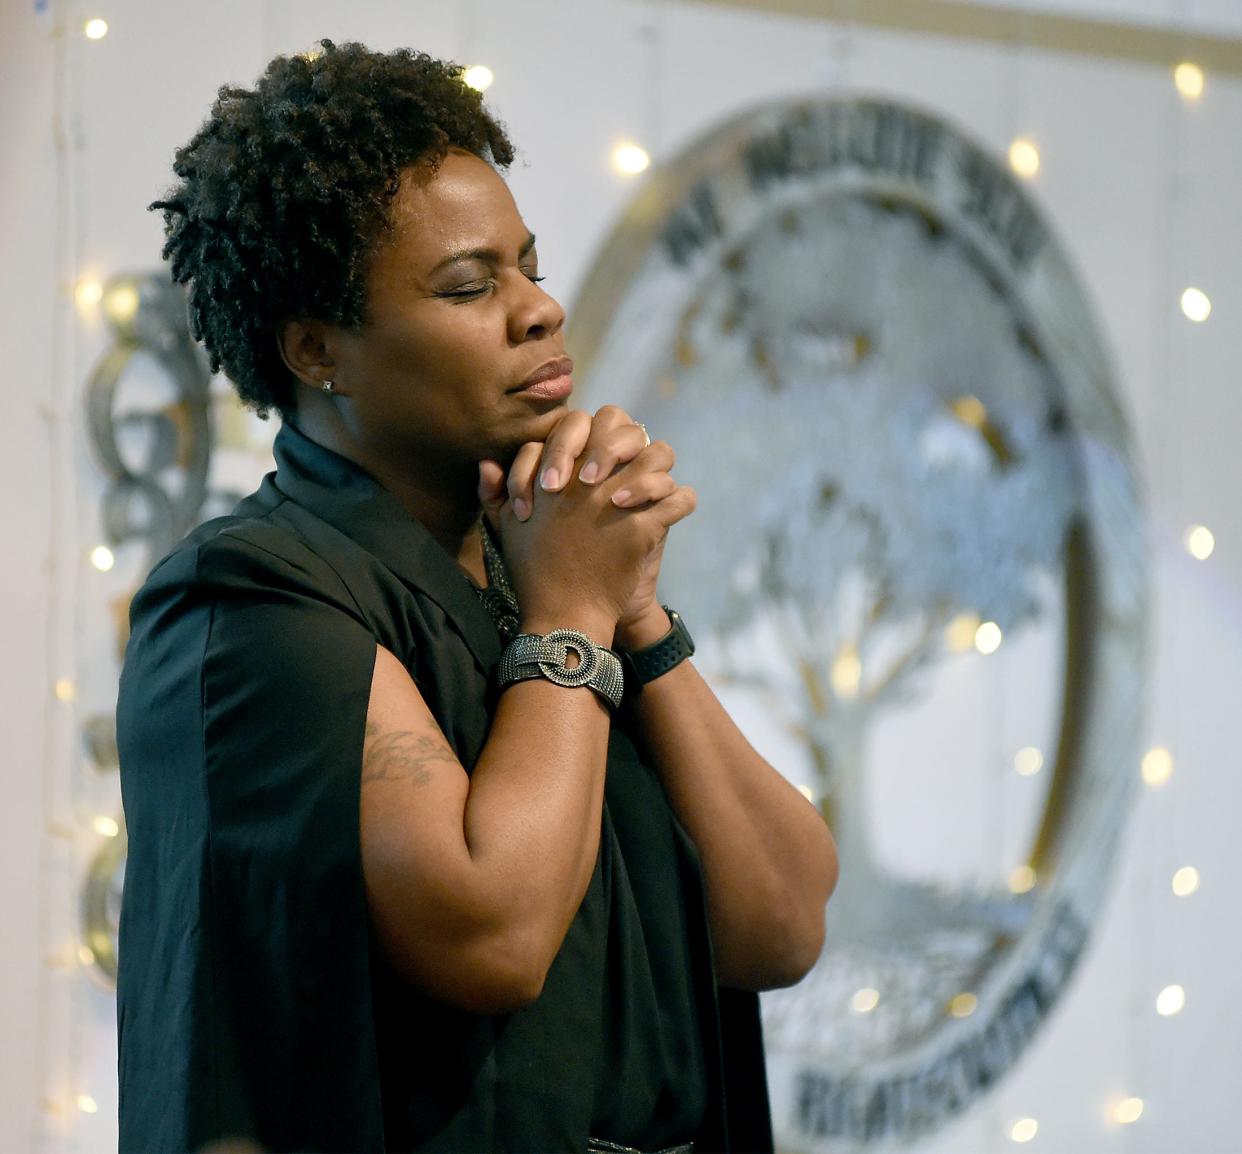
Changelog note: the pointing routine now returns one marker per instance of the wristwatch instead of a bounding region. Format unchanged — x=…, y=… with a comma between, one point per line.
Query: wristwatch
x=655, y=660
x=528, y=656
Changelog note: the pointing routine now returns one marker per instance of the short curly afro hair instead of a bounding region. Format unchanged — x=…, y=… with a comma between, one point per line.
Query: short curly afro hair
x=285, y=194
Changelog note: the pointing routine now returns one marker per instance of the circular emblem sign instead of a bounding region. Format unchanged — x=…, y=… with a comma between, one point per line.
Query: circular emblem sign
x=917, y=569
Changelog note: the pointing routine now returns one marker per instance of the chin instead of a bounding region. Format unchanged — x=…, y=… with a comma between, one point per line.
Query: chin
x=538, y=428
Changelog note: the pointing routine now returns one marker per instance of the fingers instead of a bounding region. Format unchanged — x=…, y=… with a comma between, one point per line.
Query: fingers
x=607, y=446
x=615, y=440
x=657, y=455
x=521, y=481
x=642, y=489
x=491, y=490
x=608, y=439
x=564, y=446
x=675, y=507
x=657, y=458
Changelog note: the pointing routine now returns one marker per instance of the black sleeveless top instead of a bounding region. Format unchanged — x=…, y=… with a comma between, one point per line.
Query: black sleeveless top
x=252, y=1000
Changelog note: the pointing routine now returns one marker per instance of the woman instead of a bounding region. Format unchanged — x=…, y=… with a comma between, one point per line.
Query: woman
x=405, y=872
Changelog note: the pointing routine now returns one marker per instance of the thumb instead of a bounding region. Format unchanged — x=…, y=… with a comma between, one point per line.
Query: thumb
x=492, y=491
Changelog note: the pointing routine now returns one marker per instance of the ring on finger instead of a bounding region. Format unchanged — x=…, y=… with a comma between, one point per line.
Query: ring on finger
x=646, y=435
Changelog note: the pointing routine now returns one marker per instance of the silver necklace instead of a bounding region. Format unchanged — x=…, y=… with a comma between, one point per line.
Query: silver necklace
x=498, y=598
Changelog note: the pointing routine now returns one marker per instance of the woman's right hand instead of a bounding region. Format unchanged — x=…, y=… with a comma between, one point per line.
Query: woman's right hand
x=579, y=549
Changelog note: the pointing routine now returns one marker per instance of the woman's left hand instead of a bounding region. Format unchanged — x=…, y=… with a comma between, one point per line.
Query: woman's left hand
x=595, y=447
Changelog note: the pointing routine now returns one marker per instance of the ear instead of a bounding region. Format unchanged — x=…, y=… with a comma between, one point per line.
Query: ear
x=304, y=349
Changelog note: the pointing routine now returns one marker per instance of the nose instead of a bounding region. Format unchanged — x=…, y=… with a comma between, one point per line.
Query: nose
x=535, y=313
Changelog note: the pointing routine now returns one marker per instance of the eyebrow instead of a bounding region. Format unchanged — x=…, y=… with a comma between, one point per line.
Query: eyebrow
x=488, y=254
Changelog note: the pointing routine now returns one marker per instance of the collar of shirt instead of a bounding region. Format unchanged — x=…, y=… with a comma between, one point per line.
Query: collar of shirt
x=347, y=498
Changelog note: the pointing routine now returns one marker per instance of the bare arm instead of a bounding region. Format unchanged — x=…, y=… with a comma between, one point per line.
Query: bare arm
x=769, y=861
x=472, y=881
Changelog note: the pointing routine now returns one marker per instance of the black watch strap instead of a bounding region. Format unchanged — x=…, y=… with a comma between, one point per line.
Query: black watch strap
x=667, y=653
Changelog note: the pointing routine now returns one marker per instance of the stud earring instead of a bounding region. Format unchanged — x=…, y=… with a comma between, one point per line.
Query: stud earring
x=328, y=386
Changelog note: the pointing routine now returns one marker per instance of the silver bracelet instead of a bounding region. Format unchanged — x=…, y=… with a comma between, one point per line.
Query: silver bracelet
x=528, y=655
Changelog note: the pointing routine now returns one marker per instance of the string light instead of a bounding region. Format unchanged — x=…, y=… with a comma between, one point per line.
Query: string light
x=865, y=1000
x=479, y=77
x=846, y=673
x=121, y=303
x=87, y=293
x=1024, y=157
x=970, y=411
x=102, y=558
x=963, y=1005
x=1185, y=881
x=1170, y=1001
x=1028, y=761
x=629, y=159
x=106, y=826
x=1189, y=80
x=959, y=635
x=1128, y=1110
x=1021, y=879
x=1200, y=542
x=988, y=638
x=1024, y=1129
x=1157, y=765
x=1196, y=305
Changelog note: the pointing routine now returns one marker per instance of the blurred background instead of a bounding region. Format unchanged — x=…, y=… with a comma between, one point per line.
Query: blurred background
x=1035, y=946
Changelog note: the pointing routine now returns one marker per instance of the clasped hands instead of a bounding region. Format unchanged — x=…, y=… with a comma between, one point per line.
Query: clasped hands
x=590, y=507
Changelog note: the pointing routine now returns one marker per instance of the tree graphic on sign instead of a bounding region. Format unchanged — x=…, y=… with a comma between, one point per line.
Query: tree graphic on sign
x=878, y=500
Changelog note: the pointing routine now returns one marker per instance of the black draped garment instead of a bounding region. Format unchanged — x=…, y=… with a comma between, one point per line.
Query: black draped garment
x=252, y=999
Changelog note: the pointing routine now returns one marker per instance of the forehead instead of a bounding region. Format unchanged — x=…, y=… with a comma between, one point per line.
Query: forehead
x=461, y=204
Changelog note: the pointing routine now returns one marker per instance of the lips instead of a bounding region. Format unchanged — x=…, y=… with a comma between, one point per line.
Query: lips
x=561, y=367
x=550, y=381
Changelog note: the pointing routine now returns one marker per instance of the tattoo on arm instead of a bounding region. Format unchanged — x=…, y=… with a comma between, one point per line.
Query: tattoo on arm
x=402, y=756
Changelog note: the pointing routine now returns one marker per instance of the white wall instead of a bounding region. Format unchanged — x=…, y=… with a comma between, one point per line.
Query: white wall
x=27, y=294
x=1142, y=189
x=1206, y=16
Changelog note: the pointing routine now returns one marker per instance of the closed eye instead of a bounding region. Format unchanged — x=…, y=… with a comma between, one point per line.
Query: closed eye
x=470, y=291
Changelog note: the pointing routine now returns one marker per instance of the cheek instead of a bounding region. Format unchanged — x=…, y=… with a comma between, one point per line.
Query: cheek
x=467, y=332
x=468, y=349
x=479, y=327
x=441, y=359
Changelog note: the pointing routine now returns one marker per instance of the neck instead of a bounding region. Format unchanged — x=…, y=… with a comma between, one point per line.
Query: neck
x=442, y=496
x=447, y=506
